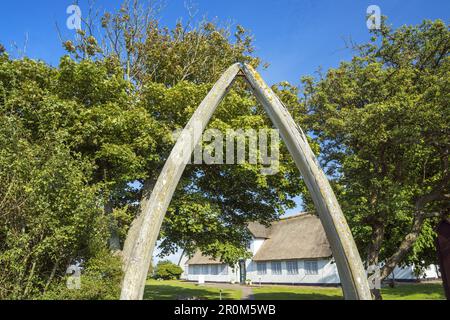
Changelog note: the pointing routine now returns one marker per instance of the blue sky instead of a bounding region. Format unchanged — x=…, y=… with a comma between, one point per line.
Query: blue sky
x=295, y=37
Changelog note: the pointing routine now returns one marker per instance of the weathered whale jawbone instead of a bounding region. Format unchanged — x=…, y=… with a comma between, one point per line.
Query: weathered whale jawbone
x=350, y=267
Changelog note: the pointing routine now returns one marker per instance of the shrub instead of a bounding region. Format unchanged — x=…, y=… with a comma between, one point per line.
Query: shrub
x=100, y=280
x=167, y=270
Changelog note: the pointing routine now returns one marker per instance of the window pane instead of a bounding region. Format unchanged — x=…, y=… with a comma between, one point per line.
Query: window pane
x=215, y=269
x=276, y=267
x=311, y=267
x=205, y=269
x=224, y=268
x=196, y=269
x=292, y=267
x=261, y=267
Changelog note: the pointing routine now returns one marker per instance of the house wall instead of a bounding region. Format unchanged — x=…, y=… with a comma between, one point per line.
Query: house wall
x=255, y=245
x=407, y=273
x=226, y=275
x=185, y=267
x=327, y=273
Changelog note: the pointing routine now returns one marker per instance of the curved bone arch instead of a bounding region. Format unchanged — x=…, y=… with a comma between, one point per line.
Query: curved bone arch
x=352, y=274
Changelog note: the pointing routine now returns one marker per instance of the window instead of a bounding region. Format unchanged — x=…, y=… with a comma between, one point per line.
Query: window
x=276, y=267
x=215, y=269
x=311, y=268
x=292, y=267
x=194, y=269
x=261, y=267
x=224, y=268
x=205, y=269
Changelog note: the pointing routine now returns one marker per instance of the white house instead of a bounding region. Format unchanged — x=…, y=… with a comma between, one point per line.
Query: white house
x=293, y=250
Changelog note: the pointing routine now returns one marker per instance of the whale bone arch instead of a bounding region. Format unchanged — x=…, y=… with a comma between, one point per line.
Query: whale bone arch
x=142, y=243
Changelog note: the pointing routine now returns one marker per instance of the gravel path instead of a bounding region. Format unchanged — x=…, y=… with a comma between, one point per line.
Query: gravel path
x=247, y=293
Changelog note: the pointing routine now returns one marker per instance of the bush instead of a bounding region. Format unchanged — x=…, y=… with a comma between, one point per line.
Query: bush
x=100, y=280
x=167, y=270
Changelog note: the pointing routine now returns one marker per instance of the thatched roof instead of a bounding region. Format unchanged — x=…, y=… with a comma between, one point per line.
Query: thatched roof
x=198, y=258
x=258, y=230
x=298, y=237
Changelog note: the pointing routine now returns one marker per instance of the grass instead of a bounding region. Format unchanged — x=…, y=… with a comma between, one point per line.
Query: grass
x=415, y=291
x=176, y=290
x=410, y=291
x=296, y=293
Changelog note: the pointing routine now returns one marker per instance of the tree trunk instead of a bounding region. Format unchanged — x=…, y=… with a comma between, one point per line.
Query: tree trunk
x=181, y=258
x=419, y=220
x=405, y=246
x=377, y=241
x=374, y=252
x=30, y=278
x=376, y=293
x=52, y=275
x=114, y=238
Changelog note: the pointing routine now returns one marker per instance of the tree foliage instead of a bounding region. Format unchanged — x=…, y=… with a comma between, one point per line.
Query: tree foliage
x=382, y=120
x=172, y=71
x=49, y=214
x=80, y=142
x=167, y=270
x=194, y=51
x=51, y=203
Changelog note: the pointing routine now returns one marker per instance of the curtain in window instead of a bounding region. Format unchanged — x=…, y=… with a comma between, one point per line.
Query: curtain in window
x=215, y=269
x=311, y=268
x=292, y=267
x=276, y=267
x=261, y=267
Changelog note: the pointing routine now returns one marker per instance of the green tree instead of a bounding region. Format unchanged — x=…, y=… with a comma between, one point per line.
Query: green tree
x=148, y=52
x=172, y=71
x=104, y=135
x=213, y=204
x=95, y=110
x=63, y=143
x=113, y=131
x=49, y=212
x=122, y=129
x=167, y=270
x=382, y=120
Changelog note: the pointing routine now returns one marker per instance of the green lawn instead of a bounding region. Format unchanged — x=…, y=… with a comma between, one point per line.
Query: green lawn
x=175, y=290
x=419, y=291
x=296, y=293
